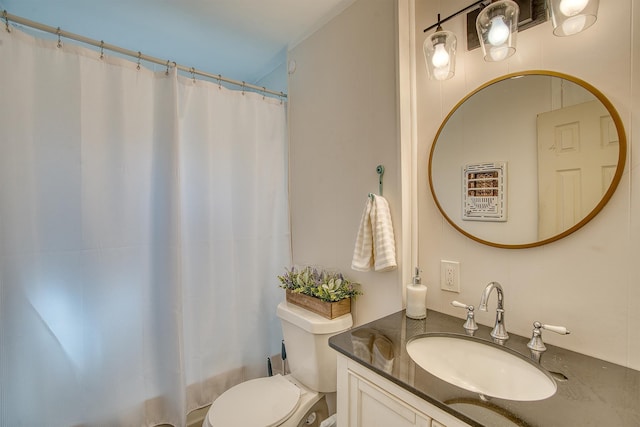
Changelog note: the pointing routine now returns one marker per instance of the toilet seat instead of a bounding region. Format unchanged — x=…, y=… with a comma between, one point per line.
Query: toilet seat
x=263, y=402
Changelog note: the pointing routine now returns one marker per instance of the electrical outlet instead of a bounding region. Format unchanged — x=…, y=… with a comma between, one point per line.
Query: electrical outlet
x=450, y=276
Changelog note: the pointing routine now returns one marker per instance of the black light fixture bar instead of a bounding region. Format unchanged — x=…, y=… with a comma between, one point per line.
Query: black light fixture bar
x=454, y=15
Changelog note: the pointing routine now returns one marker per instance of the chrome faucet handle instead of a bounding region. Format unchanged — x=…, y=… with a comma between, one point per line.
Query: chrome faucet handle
x=470, y=324
x=536, y=345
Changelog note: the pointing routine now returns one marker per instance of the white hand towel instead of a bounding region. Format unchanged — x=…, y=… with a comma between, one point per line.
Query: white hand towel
x=363, y=252
x=384, y=244
x=375, y=243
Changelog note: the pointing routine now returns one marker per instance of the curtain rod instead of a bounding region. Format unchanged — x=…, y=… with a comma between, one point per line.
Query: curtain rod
x=138, y=55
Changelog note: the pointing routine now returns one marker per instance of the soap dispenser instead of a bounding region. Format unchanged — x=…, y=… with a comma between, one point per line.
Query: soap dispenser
x=416, y=298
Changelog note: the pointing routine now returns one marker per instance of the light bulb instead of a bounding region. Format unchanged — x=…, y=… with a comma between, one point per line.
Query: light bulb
x=440, y=56
x=441, y=73
x=499, y=32
x=572, y=7
x=574, y=25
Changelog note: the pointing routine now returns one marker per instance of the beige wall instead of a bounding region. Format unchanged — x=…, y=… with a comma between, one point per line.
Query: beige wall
x=343, y=123
x=589, y=281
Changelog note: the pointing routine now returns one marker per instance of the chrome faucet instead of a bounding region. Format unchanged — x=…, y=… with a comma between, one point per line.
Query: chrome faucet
x=499, y=332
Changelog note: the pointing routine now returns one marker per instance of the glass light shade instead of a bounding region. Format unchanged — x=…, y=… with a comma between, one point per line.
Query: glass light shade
x=570, y=17
x=497, y=26
x=440, y=54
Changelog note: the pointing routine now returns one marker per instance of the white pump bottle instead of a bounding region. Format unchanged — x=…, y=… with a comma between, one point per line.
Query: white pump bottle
x=416, y=298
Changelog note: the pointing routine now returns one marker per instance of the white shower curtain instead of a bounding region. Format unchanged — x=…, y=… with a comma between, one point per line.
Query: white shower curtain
x=143, y=221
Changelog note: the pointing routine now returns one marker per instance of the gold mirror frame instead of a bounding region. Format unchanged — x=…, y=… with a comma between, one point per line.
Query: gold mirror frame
x=622, y=154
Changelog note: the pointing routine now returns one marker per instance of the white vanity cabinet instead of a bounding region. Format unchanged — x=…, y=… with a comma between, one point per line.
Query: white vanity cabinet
x=366, y=399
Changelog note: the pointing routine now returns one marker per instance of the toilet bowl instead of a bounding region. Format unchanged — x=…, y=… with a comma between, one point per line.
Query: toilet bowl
x=293, y=400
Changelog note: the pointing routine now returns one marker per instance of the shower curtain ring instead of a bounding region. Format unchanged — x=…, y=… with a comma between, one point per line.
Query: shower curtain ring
x=219, y=81
x=139, y=59
x=193, y=74
x=6, y=21
x=101, y=49
x=167, y=72
x=243, y=85
x=59, y=33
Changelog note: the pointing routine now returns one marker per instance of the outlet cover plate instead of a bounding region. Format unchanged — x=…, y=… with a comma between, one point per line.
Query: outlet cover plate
x=450, y=276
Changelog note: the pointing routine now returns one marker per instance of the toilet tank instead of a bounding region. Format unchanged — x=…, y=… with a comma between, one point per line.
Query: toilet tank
x=306, y=336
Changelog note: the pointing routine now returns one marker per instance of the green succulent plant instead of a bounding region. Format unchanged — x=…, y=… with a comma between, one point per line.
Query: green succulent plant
x=325, y=285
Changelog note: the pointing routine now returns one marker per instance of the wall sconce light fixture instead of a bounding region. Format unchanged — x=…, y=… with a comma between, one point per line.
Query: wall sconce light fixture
x=493, y=25
x=570, y=17
x=497, y=26
x=440, y=53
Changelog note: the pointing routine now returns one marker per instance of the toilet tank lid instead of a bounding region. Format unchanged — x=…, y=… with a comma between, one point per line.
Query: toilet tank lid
x=312, y=322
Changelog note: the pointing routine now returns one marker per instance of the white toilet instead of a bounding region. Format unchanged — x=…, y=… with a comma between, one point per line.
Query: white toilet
x=293, y=400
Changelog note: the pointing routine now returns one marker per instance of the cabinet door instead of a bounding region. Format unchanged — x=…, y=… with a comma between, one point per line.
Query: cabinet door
x=370, y=406
x=365, y=399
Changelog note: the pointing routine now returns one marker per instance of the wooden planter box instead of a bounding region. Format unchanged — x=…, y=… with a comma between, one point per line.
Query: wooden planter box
x=330, y=310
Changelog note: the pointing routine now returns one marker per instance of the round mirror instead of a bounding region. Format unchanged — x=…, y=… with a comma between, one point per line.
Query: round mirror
x=527, y=159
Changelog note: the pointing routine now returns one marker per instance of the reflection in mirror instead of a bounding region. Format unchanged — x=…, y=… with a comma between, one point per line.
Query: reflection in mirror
x=527, y=159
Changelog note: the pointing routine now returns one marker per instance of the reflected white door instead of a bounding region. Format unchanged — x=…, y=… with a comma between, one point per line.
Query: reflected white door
x=577, y=159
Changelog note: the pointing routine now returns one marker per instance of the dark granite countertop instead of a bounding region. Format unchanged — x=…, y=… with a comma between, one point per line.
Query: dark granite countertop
x=594, y=393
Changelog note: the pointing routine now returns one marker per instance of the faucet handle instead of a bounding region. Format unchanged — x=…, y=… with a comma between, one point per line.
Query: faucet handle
x=536, y=345
x=460, y=305
x=557, y=329
x=470, y=324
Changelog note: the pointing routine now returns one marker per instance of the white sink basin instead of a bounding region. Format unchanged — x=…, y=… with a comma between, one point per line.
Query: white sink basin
x=481, y=367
